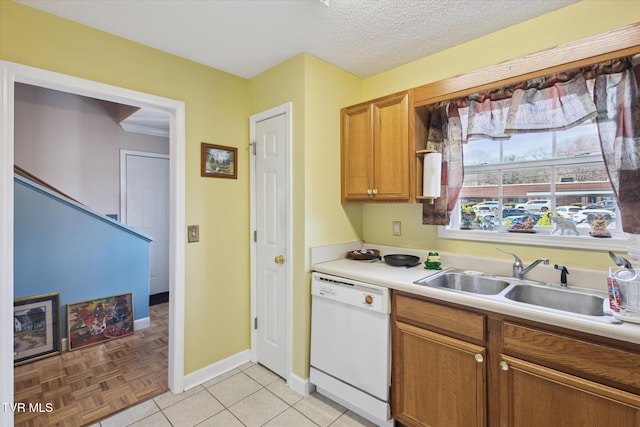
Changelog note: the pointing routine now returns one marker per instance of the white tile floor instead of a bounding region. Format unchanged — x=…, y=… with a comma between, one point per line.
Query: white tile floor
x=250, y=396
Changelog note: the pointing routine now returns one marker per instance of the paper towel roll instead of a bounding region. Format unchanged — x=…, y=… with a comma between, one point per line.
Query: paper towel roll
x=432, y=171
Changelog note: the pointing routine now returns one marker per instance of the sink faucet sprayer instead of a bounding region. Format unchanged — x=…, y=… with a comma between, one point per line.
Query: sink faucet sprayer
x=563, y=274
x=518, y=268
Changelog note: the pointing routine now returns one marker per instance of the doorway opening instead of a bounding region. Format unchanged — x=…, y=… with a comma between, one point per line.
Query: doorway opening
x=144, y=205
x=11, y=73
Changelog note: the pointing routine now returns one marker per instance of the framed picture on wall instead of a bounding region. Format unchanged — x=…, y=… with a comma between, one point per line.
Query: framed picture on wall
x=36, y=327
x=218, y=161
x=98, y=320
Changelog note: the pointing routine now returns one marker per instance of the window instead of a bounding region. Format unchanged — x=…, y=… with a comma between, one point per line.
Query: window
x=530, y=176
x=438, y=126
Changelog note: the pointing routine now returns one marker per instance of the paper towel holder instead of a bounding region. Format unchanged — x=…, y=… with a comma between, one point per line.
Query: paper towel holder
x=420, y=155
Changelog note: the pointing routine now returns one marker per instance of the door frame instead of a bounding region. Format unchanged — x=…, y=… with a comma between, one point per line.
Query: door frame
x=11, y=73
x=285, y=109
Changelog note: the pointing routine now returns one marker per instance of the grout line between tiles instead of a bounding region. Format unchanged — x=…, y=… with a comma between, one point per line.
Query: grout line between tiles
x=242, y=370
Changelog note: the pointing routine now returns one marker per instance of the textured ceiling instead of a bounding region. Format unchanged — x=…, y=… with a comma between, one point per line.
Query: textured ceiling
x=246, y=37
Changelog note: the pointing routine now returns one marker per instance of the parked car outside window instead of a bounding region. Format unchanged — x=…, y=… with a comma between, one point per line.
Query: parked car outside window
x=506, y=212
x=535, y=205
x=491, y=205
x=609, y=205
x=568, y=211
x=482, y=211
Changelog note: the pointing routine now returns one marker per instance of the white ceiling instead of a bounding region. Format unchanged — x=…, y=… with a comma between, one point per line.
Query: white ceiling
x=246, y=37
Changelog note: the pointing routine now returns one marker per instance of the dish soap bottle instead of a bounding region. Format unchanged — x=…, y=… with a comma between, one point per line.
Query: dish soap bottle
x=433, y=261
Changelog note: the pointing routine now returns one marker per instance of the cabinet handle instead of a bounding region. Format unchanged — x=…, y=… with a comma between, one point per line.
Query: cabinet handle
x=504, y=366
x=375, y=191
x=369, y=191
x=479, y=358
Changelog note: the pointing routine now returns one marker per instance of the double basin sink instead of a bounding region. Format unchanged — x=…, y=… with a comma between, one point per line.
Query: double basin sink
x=517, y=290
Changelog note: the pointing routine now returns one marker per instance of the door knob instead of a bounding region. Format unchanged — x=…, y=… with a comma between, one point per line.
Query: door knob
x=279, y=259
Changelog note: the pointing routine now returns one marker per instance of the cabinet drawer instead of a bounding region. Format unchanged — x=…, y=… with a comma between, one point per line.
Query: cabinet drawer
x=572, y=354
x=441, y=318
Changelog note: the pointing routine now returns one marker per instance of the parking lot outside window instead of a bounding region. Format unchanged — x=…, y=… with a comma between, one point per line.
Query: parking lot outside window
x=535, y=175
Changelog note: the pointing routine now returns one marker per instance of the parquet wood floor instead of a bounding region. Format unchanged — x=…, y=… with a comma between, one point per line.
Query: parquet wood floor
x=90, y=383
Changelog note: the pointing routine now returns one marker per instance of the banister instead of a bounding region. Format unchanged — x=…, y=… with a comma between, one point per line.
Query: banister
x=24, y=173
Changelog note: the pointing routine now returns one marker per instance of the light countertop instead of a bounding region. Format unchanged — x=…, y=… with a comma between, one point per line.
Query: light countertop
x=331, y=260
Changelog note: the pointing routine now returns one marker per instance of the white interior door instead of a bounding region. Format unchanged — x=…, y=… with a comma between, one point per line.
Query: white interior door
x=272, y=243
x=145, y=206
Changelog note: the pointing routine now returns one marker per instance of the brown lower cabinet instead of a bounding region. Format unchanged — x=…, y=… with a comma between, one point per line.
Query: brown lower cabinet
x=455, y=366
x=434, y=374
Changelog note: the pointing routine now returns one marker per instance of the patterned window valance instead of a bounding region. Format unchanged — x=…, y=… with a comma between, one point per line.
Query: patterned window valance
x=607, y=91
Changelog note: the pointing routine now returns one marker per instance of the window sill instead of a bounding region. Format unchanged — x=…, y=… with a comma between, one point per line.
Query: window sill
x=619, y=242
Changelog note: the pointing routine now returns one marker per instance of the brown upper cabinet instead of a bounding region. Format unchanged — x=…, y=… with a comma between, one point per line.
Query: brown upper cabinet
x=375, y=160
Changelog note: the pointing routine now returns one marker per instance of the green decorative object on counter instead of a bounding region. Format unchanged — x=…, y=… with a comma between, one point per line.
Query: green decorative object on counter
x=433, y=261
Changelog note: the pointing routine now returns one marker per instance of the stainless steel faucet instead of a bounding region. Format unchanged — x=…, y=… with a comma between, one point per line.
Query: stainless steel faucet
x=518, y=268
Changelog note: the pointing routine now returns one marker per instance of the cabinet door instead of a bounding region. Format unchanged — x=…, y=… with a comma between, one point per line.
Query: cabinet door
x=532, y=395
x=391, y=148
x=437, y=380
x=357, y=153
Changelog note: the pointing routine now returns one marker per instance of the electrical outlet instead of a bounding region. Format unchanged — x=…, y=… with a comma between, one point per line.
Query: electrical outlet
x=397, y=228
x=193, y=233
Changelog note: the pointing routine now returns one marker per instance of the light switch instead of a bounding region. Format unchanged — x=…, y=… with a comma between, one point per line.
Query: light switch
x=397, y=228
x=193, y=233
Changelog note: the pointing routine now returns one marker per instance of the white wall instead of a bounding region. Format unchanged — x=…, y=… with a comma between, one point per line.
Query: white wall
x=73, y=143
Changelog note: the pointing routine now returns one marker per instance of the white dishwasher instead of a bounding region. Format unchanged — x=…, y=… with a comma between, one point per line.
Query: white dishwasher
x=350, y=345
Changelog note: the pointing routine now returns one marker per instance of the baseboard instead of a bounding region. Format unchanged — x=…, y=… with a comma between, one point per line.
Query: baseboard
x=209, y=372
x=201, y=376
x=301, y=385
x=143, y=323
x=138, y=324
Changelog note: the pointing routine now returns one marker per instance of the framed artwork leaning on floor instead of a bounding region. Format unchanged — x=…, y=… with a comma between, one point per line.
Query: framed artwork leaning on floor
x=36, y=327
x=98, y=320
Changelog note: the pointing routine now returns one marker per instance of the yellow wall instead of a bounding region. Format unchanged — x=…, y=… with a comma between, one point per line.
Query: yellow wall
x=328, y=89
x=580, y=20
x=317, y=91
x=217, y=108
